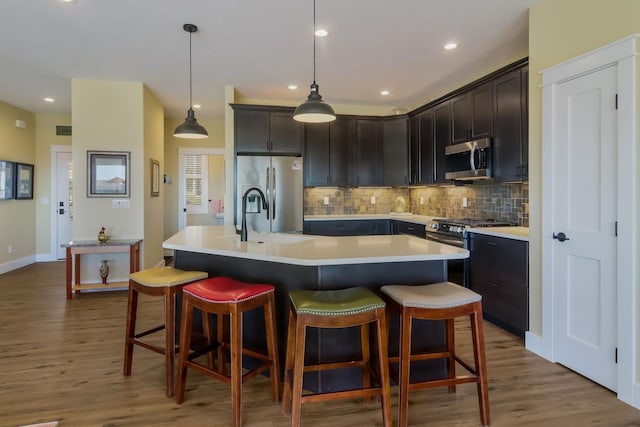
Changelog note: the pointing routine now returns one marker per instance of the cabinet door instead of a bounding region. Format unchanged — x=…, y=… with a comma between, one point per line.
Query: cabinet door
x=285, y=134
x=395, y=154
x=316, y=154
x=461, y=118
x=339, y=152
x=348, y=228
x=482, y=111
x=508, y=130
x=251, y=131
x=524, y=76
x=442, y=138
x=368, y=153
x=427, y=148
x=410, y=228
x=414, y=149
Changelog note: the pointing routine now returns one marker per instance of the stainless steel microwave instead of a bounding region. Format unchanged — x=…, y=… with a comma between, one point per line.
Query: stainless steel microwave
x=469, y=161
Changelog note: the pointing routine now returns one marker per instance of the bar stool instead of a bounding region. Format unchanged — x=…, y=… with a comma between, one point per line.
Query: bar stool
x=164, y=282
x=335, y=309
x=439, y=301
x=227, y=296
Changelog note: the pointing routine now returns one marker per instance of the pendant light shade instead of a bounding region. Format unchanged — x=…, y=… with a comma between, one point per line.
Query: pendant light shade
x=314, y=109
x=190, y=128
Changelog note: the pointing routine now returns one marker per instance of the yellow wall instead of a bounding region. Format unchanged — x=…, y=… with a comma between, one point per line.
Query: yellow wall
x=560, y=30
x=17, y=217
x=45, y=138
x=153, y=206
x=216, y=139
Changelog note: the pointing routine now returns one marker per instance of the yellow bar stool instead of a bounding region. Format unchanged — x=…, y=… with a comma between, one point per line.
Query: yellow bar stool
x=164, y=282
x=439, y=301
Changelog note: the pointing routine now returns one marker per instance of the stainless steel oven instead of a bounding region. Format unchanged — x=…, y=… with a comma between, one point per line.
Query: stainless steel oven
x=454, y=232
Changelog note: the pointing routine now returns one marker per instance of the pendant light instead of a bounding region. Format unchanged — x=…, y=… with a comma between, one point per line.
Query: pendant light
x=190, y=128
x=314, y=109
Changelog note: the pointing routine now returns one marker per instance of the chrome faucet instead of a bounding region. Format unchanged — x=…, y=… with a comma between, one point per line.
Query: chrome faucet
x=245, y=197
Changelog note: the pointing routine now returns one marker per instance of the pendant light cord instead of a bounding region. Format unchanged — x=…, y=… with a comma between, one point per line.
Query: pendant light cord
x=190, y=74
x=314, y=41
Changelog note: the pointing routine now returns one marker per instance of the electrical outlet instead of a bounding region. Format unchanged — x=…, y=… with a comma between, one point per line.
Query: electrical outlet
x=326, y=200
x=119, y=203
x=10, y=249
x=422, y=200
x=464, y=202
x=373, y=200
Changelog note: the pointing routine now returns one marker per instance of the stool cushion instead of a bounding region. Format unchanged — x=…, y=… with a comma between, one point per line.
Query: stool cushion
x=335, y=303
x=437, y=295
x=226, y=290
x=166, y=276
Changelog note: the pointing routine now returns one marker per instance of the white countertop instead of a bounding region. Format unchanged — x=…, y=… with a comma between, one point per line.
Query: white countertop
x=303, y=249
x=516, y=233
x=405, y=216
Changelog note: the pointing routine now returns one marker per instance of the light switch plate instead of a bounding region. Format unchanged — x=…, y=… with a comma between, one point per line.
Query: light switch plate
x=373, y=200
x=326, y=200
x=120, y=203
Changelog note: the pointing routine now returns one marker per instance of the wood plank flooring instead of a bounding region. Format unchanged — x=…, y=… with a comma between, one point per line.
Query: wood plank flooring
x=62, y=360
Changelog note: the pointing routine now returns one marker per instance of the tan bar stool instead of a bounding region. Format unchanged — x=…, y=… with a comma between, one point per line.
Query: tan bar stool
x=439, y=301
x=164, y=282
x=335, y=309
x=227, y=296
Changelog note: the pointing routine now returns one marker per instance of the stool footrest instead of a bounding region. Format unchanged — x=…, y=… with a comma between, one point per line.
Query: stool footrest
x=461, y=379
x=148, y=346
x=335, y=365
x=422, y=356
x=345, y=394
x=226, y=378
x=204, y=350
x=149, y=332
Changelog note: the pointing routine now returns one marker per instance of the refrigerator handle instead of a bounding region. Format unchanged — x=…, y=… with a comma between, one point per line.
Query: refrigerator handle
x=266, y=187
x=273, y=194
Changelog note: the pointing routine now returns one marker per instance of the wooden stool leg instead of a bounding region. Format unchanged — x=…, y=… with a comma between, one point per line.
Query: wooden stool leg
x=169, y=336
x=481, y=363
x=130, y=330
x=222, y=352
x=366, y=358
x=185, y=343
x=206, y=330
x=288, y=363
x=451, y=349
x=236, y=366
x=298, y=370
x=272, y=346
x=405, y=367
x=381, y=327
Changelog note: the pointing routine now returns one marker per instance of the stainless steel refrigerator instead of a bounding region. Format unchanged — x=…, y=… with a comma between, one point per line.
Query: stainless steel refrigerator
x=280, y=179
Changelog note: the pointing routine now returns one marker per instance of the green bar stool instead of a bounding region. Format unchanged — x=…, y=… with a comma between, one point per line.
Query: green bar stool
x=439, y=301
x=164, y=282
x=335, y=309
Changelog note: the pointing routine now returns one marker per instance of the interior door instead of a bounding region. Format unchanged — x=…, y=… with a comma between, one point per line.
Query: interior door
x=63, y=201
x=584, y=210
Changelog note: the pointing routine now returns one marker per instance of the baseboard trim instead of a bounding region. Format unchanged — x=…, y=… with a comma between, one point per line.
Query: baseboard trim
x=635, y=400
x=46, y=258
x=17, y=263
x=534, y=344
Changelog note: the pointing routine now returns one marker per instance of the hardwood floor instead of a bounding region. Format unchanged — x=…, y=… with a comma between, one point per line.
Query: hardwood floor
x=62, y=360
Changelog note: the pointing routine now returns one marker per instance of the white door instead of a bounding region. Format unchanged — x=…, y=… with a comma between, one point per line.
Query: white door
x=63, y=201
x=584, y=209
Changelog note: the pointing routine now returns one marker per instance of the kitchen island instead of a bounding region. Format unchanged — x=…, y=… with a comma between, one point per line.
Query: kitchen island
x=294, y=261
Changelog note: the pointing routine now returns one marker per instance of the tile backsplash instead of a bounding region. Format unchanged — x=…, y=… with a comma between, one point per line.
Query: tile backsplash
x=506, y=202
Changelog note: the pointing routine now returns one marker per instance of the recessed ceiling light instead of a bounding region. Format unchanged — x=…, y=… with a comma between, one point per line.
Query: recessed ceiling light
x=321, y=33
x=47, y=99
x=197, y=106
x=451, y=45
x=68, y=1
x=292, y=87
x=384, y=92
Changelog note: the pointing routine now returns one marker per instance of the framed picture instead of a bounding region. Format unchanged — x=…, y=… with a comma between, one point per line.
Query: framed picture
x=155, y=178
x=108, y=174
x=6, y=180
x=24, y=181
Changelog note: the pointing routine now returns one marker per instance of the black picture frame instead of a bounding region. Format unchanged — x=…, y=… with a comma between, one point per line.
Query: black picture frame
x=24, y=181
x=7, y=187
x=109, y=174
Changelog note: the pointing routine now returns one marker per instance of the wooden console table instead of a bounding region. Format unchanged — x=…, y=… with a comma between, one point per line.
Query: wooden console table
x=77, y=248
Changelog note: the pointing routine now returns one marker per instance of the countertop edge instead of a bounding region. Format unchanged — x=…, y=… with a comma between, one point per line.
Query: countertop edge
x=515, y=233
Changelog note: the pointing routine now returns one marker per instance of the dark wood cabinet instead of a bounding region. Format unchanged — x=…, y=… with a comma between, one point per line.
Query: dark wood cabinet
x=422, y=148
x=266, y=130
x=326, y=152
x=367, y=153
x=509, y=140
x=352, y=227
x=498, y=270
x=442, y=138
x=472, y=114
x=395, y=151
x=524, y=76
x=410, y=228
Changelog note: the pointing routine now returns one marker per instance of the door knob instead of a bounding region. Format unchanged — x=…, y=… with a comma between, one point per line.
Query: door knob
x=561, y=237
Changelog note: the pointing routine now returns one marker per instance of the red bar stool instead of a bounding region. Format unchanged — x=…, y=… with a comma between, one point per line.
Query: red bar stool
x=439, y=301
x=335, y=309
x=160, y=282
x=226, y=296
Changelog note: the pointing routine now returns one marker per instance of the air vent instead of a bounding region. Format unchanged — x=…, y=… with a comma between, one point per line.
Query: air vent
x=63, y=130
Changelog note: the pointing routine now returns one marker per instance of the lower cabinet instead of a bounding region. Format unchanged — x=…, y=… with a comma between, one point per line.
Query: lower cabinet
x=410, y=228
x=350, y=227
x=499, y=271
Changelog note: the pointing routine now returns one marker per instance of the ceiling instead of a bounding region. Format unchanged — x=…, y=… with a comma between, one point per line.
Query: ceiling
x=257, y=46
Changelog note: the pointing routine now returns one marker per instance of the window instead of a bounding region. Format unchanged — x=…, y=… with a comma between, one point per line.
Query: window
x=196, y=183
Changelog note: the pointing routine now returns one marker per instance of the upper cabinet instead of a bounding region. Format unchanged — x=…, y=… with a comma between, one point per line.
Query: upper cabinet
x=395, y=151
x=472, y=114
x=326, y=152
x=368, y=153
x=442, y=138
x=266, y=130
x=422, y=148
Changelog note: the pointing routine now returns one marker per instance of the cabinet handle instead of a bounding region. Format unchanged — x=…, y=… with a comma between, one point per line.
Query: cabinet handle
x=492, y=244
x=495, y=285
